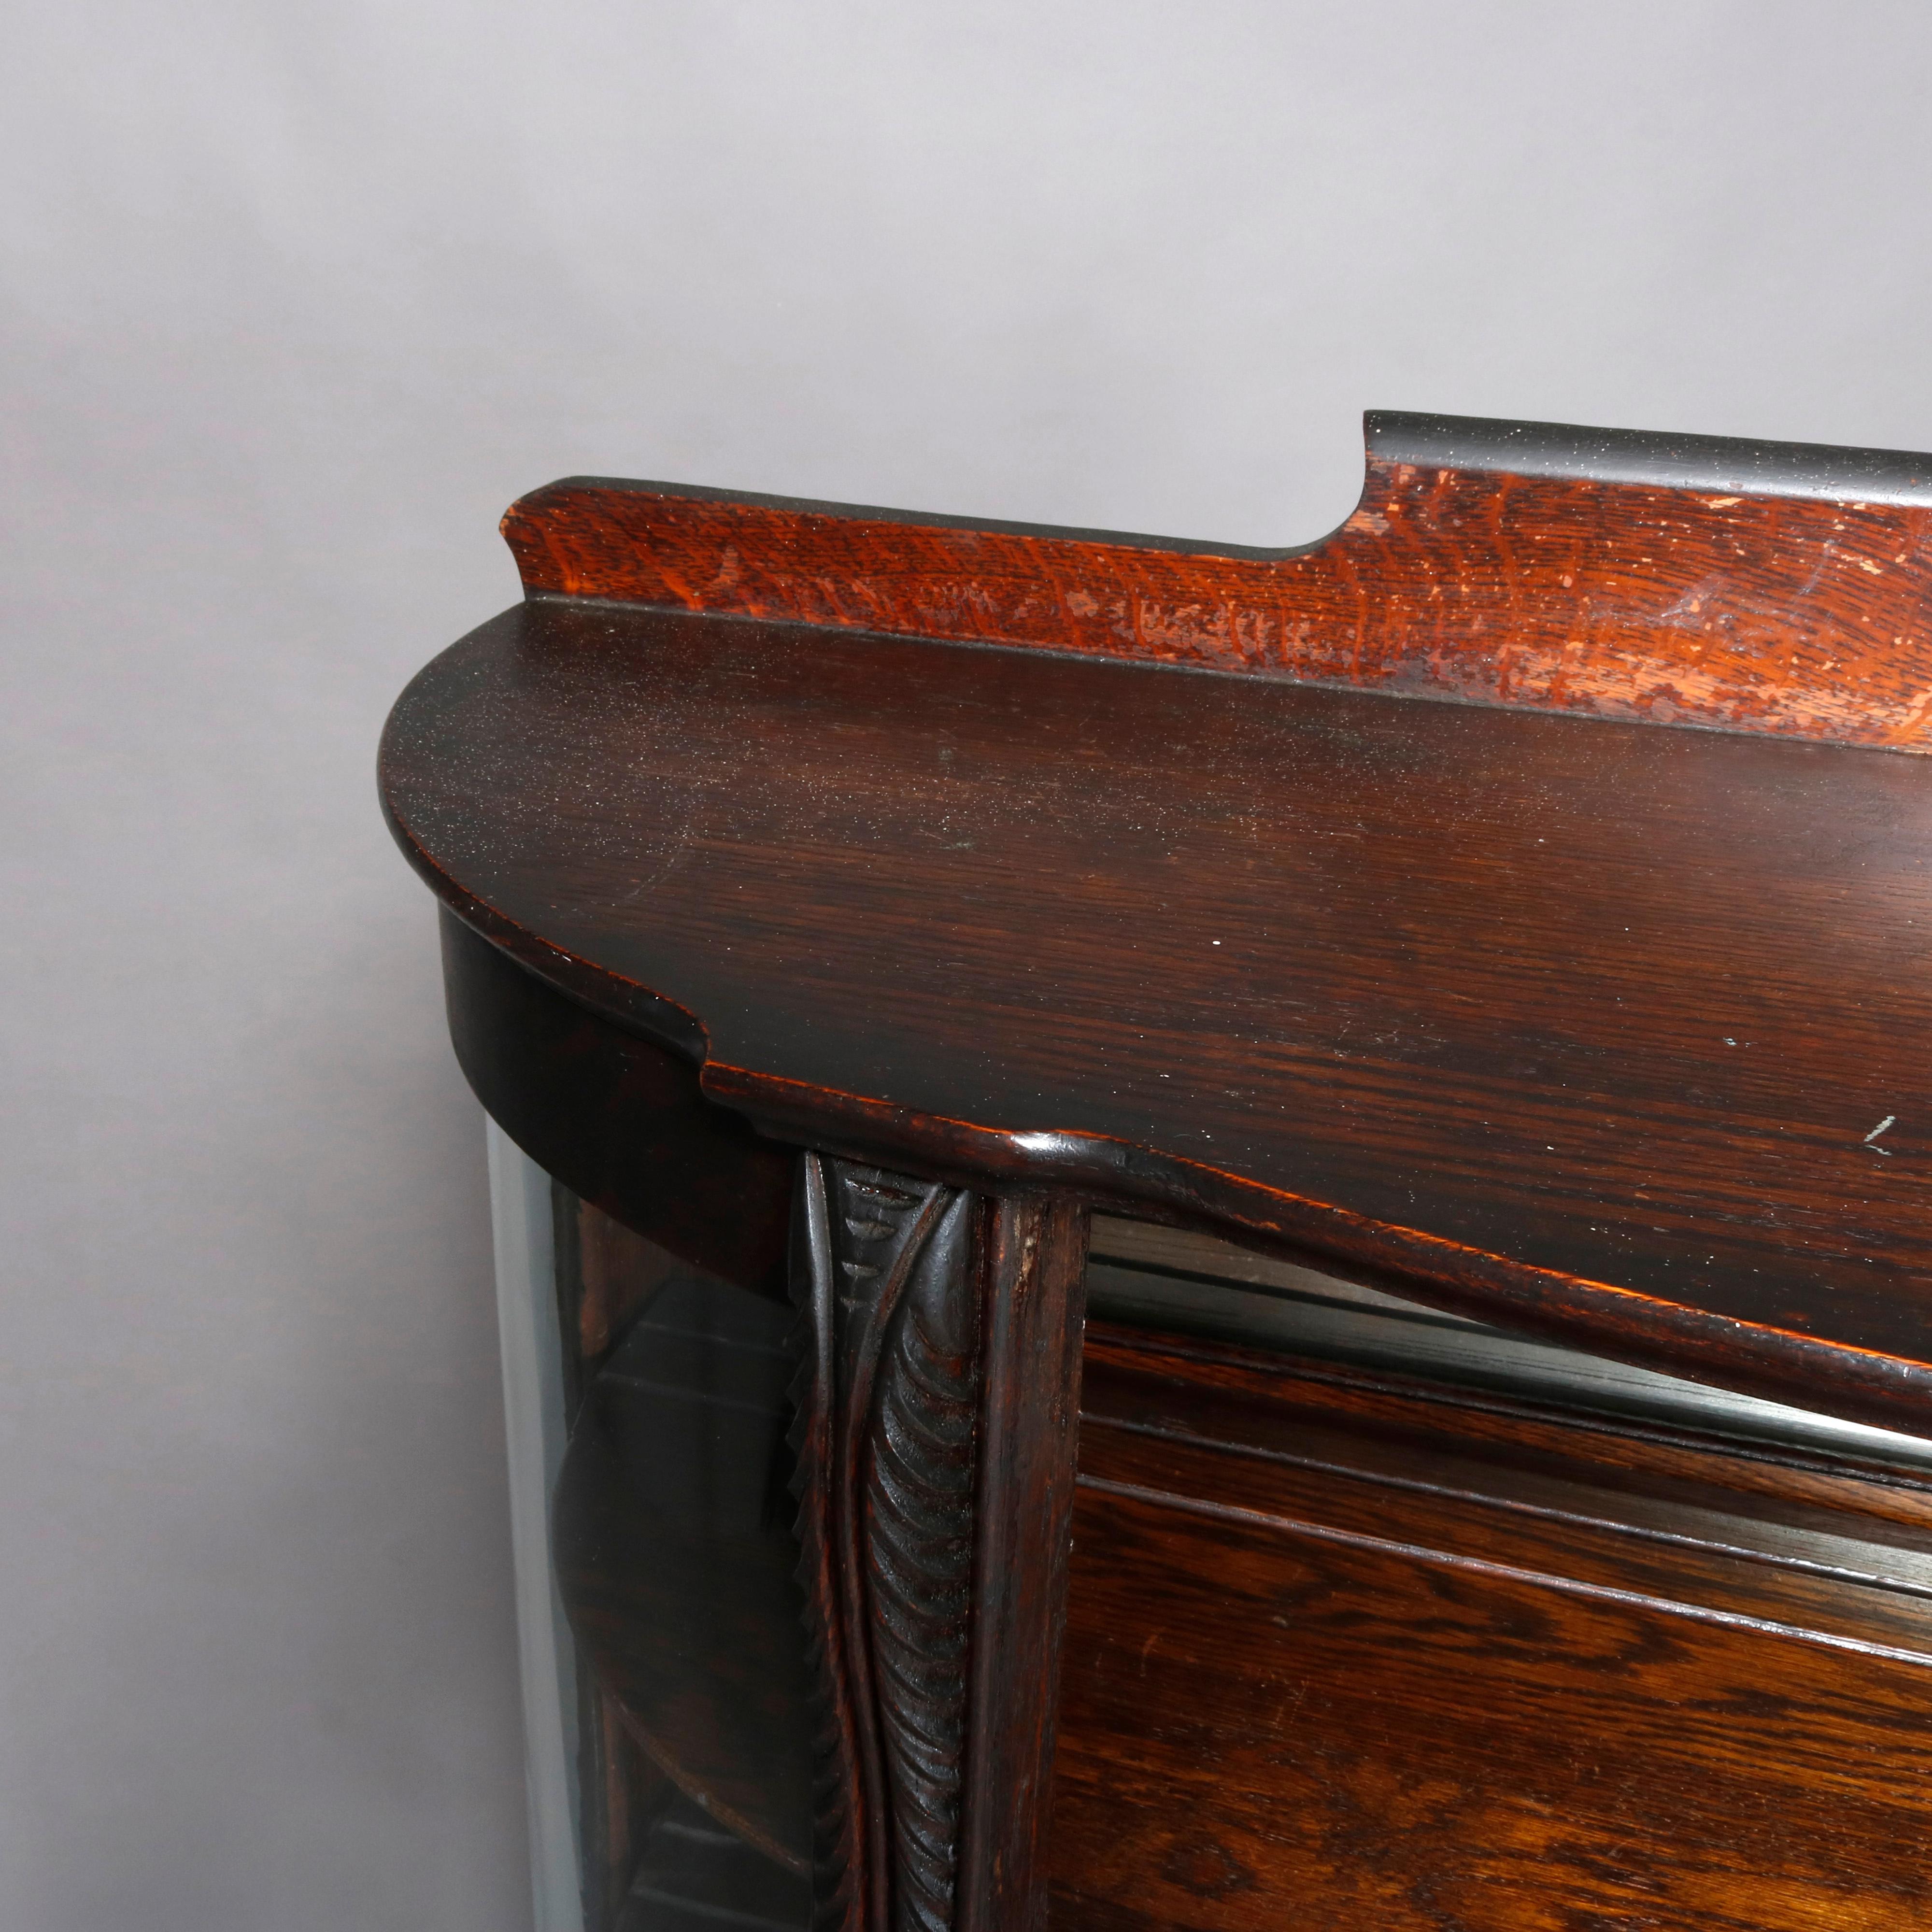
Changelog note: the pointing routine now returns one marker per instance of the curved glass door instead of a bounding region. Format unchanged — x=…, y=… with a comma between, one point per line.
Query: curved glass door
x=659, y=1623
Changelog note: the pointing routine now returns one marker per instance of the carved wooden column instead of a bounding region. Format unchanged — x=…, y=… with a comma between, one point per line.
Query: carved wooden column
x=935, y=1438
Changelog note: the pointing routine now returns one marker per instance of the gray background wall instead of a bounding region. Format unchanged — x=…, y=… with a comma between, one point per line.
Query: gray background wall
x=297, y=297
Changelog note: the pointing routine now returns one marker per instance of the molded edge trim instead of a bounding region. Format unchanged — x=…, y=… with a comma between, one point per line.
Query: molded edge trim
x=1841, y=1378
x=1861, y=1384
x=1653, y=459
x=649, y=1016
x=1779, y=1364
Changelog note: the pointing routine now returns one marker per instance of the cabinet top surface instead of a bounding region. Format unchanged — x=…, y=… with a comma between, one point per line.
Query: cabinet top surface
x=1581, y=1023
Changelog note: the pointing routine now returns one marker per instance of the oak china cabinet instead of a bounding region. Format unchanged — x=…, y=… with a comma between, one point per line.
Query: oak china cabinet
x=1201, y=1237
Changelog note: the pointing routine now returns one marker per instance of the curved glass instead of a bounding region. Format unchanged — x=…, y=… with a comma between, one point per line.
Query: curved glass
x=662, y=1649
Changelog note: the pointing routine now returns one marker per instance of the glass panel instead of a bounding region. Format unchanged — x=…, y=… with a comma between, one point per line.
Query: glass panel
x=1162, y=1278
x=668, y=1737
x=520, y=1203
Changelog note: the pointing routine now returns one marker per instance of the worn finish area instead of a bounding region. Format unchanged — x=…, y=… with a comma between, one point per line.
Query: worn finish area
x=1780, y=588
x=1580, y=1024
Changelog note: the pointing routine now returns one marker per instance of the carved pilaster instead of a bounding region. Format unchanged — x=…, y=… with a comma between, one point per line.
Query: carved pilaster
x=934, y=1439
x=887, y=1438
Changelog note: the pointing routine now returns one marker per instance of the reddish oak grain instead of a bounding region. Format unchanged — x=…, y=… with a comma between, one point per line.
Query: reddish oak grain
x=1799, y=617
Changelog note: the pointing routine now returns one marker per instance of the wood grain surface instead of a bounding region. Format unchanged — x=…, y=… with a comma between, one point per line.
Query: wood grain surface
x=1717, y=593
x=1407, y=1672
x=1035, y=1255
x=1582, y=1027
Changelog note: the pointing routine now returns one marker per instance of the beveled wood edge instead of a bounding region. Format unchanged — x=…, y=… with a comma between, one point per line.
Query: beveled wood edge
x=1652, y=459
x=608, y=995
x=1777, y=1364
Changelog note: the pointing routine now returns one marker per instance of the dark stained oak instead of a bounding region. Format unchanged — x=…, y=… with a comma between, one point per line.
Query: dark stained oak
x=1035, y=1267
x=1343, y=1648
x=887, y=1272
x=1436, y=1674
x=1576, y=1024
x=1702, y=581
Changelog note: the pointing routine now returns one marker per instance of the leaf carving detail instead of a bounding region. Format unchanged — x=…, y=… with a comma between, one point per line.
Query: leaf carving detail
x=885, y=1442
